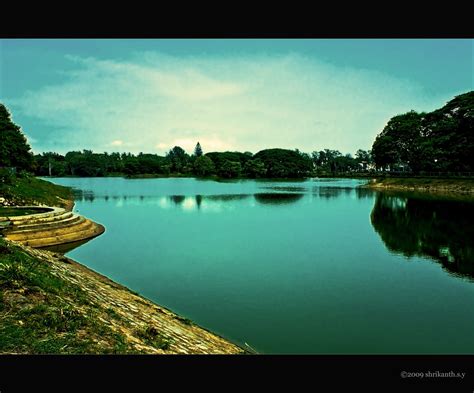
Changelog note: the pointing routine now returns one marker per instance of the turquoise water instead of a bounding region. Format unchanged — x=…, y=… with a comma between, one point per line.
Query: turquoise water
x=316, y=266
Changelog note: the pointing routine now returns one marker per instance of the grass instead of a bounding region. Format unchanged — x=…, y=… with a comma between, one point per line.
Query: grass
x=9, y=211
x=29, y=190
x=40, y=313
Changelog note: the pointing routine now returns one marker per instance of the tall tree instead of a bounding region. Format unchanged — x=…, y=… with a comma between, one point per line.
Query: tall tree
x=14, y=149
x=198, y=150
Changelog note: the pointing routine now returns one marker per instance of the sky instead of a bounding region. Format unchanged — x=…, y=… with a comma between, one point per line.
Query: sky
x=148, y=95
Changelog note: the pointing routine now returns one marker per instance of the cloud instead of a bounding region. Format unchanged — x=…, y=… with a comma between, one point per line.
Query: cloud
x=231, y=102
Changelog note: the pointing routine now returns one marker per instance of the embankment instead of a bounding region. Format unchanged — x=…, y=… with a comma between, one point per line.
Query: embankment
x=438, y=186
x=52, y=304
x=29, y=190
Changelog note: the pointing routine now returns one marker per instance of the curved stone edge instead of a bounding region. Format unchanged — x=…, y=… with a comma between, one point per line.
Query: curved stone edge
x=51, y=216
x=98, y=230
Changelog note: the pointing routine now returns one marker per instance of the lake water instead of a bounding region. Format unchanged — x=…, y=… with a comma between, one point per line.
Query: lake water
x=317, y=266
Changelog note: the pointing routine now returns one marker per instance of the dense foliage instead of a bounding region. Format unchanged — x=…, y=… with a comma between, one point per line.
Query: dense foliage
x=268, y=163
x=442, y=140
x=14, y=149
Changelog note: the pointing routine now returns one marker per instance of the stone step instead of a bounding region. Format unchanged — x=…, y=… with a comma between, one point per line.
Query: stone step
x=41, y=220
x=54, y=211
x=27, y=235
x=74, y=218
x=93, y=231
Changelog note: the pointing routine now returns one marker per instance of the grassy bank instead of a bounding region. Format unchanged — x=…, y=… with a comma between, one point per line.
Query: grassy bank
x=50, y=304
x=41, y=313
x=29, y=190
x=455, y=186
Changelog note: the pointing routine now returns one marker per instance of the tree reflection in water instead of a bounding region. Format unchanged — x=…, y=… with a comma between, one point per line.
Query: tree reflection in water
x=277, y=198
x=440, y=229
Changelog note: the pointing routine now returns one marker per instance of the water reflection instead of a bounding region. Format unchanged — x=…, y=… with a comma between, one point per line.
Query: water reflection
x=439, y=229
x=277, y=198
x=286, y=188
x=226, y=197
x=177, y=199
x=332, y=192
x=198, y=201
x=64, y=248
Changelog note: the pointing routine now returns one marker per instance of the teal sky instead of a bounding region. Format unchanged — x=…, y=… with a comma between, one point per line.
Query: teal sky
x=243, y=94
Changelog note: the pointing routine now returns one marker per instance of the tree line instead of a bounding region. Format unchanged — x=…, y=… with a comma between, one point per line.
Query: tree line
x=268, y=163
x=442, y=140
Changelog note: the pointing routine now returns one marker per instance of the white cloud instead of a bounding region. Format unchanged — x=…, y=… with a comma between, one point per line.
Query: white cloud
x=155, y=102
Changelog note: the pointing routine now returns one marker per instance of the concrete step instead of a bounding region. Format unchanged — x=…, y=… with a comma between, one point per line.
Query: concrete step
x=39, y=219
x=74, y=218
x=92, y=231
x=54, y=211
x=27, y=235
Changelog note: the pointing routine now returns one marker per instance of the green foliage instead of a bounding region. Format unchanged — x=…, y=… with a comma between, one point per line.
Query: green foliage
x=219, y=158
x=203, y=166
x=29, y=190
x=229, y=169
x=51, y=164
x=254, y=168
x=14, y=149
x=333, y=161
x=198, y=150
x=442, y=140
x=283, y=163
x=7, y=176
x=178, y=159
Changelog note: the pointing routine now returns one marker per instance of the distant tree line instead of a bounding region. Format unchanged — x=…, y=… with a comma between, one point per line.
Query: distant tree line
x=268, y=163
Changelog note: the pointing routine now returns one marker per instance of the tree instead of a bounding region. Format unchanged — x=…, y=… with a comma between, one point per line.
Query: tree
x=442, y=140
x=230, y=169
x=198, y=150
x=363, y=158
x=326, y=160
x=284, y=163
x=203, y=166
x=50, y=164
x=14, y=148
x=254, y=168
x=399, y=143
x=178, y=159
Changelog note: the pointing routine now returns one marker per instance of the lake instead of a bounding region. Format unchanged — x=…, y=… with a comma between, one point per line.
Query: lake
x=317, y=266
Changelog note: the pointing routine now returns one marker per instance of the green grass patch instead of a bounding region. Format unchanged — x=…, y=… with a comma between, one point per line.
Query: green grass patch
x=41, y=313
x=10, y=211
x=29, y=190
